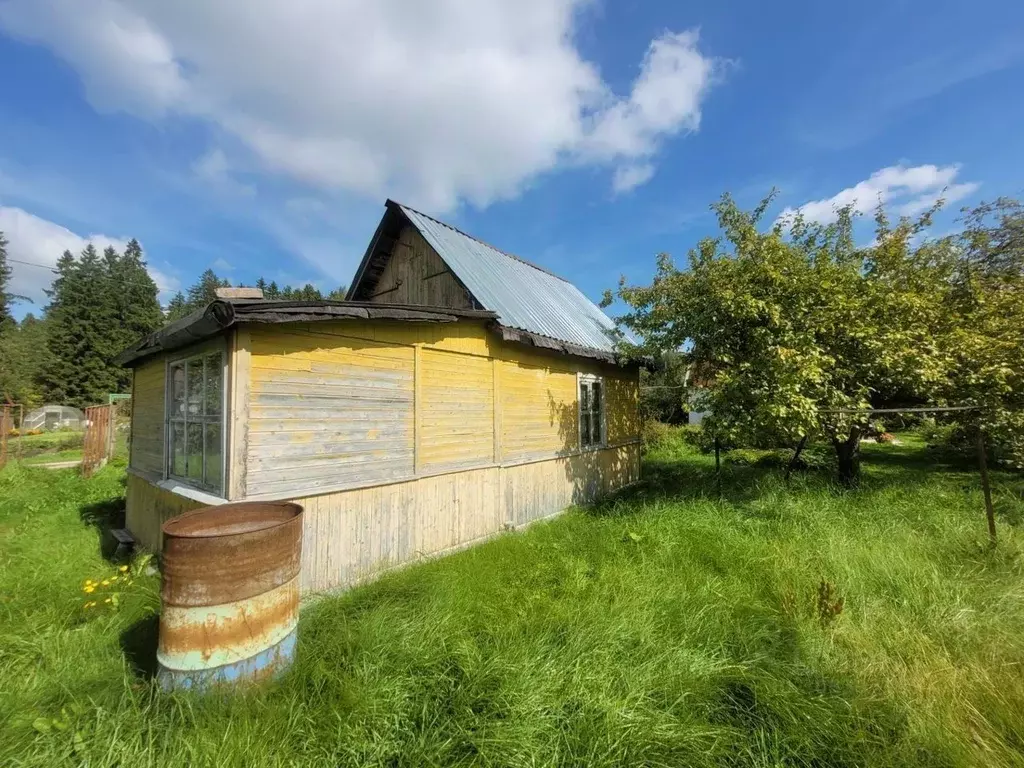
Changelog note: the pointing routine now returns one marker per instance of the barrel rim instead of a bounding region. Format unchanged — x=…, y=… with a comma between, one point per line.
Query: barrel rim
x=168, y=527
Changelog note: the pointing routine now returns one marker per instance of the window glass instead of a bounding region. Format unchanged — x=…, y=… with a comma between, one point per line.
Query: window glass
x=195, y=421
x=591, y=409
x=214, y=374
x=194, y=376
x=178, y=390
x=194, y=451
x=177, y=449
x=584, y=423
x=213, y=455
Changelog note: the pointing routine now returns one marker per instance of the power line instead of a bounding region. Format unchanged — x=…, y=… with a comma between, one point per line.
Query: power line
x=48, y=268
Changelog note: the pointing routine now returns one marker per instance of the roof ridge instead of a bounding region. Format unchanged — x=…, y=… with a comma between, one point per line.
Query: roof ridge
x=482, y=242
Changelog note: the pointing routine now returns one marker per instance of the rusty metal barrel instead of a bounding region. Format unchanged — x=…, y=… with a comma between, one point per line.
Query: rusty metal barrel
x=230, y=594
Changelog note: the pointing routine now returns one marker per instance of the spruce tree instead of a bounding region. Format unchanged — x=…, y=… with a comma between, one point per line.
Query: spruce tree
x=178, y=307
x=134, y=307
x=78, y=369
x=205, y=291
x=6, y=299
x=55, y=375
x=21, y=354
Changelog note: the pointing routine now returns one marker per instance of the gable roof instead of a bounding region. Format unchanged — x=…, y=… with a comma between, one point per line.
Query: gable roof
x=525, y=297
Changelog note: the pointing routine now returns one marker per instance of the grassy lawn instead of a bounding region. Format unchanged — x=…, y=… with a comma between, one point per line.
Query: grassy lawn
x=70, y=454
x=665, y=627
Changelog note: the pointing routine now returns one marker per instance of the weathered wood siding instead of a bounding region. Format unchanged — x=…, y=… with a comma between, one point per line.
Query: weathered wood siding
x=415, y=274
x=147, y=428
x=457, y=411
x=327, y=409
x=622, y=407
x=538, y=410
x=351, y=536
x=343, y=404
x=403, y=440
x=148, y=507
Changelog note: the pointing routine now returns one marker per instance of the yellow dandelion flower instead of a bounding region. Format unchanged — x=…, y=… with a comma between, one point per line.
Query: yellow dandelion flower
x=106, y=582
x=107, y=600
x=90, y=588
x=123, y=569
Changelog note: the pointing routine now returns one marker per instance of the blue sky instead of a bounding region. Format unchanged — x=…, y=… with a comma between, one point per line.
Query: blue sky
x=262, y=138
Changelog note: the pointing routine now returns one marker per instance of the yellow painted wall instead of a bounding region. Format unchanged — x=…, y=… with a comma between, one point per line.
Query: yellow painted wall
x=539, y=415
x=147, y=435
x=334, y=404
x=326, y=410
x=331, y=421
x=457, y=411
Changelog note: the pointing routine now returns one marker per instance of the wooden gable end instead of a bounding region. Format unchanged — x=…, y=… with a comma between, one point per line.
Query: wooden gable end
x=416, y=274
x=401, y=267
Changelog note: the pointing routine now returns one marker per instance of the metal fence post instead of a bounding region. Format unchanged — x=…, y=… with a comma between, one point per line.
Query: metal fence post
x=986, y=488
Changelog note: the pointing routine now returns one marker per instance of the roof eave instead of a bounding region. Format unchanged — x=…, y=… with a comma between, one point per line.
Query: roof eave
x=222, y=314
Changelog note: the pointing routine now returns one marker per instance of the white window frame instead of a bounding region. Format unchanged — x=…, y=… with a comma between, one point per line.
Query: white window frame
x=196, y=353
x=584, y=381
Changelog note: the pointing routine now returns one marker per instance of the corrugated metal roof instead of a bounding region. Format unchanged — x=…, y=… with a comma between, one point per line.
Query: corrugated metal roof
x=523, y=295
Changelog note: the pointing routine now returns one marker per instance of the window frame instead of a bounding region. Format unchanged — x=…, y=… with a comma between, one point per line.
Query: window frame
x=220, y=347
x=587, y=380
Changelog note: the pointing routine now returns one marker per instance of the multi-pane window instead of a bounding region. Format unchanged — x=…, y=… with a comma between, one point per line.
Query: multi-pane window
x=591, y=412
x=195, y=421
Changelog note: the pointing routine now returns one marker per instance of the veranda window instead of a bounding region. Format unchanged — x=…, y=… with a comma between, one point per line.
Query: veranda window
x=195, y=421
x=591, y=411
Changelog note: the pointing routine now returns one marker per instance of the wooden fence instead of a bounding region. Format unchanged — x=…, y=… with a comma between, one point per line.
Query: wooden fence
x=7, y=425
x=99, y=437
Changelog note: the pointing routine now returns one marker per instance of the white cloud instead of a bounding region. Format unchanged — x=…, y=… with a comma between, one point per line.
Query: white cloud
x=213, y=170
x=222, y=265
x=434, y=102
x=41, y=243
x=628, y=177
x=912, y=190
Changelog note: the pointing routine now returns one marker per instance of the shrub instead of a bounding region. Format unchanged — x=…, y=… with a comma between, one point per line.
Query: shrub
x=654, y=433
x=759, y=457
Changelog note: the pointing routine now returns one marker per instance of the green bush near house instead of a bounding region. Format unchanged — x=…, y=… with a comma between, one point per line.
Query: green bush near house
x=774, y=625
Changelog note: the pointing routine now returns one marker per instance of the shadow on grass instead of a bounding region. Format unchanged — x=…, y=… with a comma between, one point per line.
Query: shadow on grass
x=106, y=516
x=684, y=478
x=139, y=643
x=691, y=477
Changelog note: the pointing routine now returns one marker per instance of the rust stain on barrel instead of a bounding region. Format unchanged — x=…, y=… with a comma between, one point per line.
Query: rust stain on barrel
x=246, y=622
x=230, y=594
x=223, y=554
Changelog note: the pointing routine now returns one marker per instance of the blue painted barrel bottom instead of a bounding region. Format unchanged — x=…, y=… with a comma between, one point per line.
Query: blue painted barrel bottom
x=264, y=665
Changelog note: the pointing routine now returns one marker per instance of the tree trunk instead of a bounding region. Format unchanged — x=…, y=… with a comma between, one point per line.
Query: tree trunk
x=848, y=455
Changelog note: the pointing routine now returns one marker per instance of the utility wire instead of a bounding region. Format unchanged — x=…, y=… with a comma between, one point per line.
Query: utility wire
x=48, y=268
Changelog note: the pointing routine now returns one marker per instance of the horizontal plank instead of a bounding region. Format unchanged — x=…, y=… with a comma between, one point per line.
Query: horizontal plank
x=342, y=431
x=359, y=375
x=297, y=486
x=359, y=399
x=339, y=460
x=318, y=425
x=304, y=411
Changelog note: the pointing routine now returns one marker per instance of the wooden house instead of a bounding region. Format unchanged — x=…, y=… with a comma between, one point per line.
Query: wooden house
x=459, y=391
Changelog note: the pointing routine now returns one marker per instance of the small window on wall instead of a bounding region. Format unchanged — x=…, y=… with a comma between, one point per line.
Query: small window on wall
x=591, y=411
x=195, y=421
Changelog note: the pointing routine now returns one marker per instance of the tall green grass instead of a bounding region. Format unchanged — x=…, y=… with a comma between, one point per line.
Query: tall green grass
x=667, y=626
